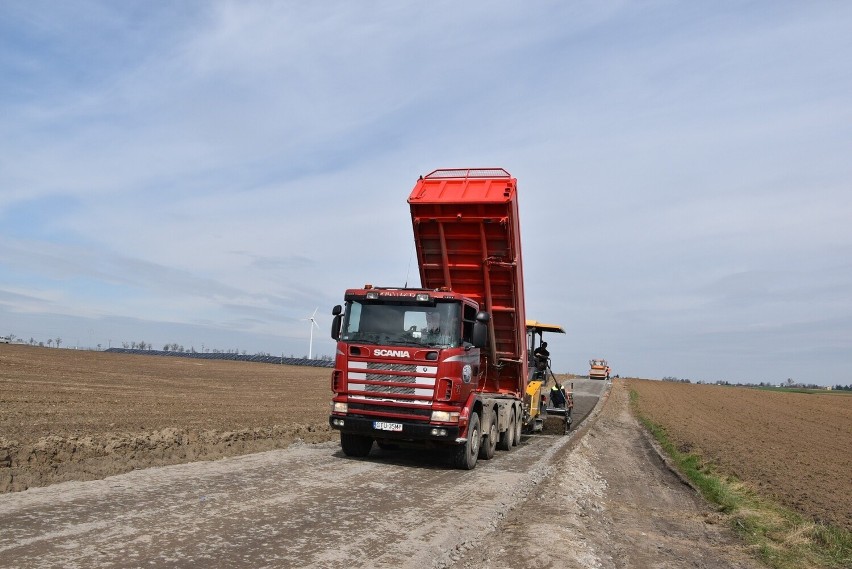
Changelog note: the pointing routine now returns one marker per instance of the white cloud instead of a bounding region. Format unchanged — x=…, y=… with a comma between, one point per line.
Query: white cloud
x=683, y=170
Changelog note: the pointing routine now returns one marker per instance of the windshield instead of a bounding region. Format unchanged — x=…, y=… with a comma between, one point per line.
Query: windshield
x=400, y=324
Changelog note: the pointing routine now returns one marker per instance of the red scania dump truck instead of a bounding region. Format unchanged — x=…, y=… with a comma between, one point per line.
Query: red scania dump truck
x=445, y=365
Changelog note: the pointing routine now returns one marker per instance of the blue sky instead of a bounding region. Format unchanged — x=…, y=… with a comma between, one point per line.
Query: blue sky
x=209, y=173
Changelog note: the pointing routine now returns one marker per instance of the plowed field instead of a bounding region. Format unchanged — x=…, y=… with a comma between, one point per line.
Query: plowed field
x=80, y=415
x=794, y=447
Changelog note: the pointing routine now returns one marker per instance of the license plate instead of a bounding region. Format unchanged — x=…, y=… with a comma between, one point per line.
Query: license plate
x=382, y=426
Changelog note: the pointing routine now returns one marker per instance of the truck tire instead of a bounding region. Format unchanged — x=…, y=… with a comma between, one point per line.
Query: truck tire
x=507, y=438
x=355, y=445
x=489, y=443
x=465, y=455
x=519, y=425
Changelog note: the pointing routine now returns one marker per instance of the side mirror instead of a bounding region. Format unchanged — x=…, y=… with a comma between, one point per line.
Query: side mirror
x=335, y=323
x=480, y=329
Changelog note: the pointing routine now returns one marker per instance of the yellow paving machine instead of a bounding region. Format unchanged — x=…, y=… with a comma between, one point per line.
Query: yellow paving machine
x=545, y=396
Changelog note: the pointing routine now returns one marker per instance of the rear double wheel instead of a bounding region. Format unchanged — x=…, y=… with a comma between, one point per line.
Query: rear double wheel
x=507, y=437
x=465, y=455
x=489, y=442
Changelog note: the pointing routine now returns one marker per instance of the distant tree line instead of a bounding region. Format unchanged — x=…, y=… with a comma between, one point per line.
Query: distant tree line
x=220, y=355
x=170, y=347
x=675, y=380
x=33, y=342
x=789, y=383
x=180, y=349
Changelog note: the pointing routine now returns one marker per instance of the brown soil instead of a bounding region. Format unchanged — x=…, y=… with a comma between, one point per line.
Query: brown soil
x=80, y=415
x=793, y=447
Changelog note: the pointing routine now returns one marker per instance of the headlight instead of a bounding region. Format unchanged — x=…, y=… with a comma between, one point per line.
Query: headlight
x=337, y=407
x=372, y=295
x=422, y=297
x=445, y=416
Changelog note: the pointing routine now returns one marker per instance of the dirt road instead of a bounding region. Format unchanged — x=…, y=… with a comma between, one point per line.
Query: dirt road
x=609, y=502
x=309, y=506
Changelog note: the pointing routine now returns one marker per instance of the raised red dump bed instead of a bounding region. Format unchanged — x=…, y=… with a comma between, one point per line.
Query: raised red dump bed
x=468, y=240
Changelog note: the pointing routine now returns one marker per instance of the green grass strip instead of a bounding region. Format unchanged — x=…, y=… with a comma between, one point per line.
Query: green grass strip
x=780, y=537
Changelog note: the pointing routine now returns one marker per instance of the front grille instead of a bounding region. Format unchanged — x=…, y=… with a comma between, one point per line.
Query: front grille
x=391, y=382
x=391, y=367
x=386, y=377
x=387, y=389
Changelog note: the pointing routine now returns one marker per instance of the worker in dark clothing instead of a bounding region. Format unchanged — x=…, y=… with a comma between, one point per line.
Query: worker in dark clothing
x=557, y=396
x=541, y=356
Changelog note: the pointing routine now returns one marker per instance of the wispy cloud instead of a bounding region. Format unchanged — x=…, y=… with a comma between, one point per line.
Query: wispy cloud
x=203, y=167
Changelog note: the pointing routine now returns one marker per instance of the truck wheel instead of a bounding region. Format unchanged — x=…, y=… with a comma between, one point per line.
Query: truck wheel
x=489, y=444
x=466, y=454
x=519, y=425
x=355, y=445
x=507, y=438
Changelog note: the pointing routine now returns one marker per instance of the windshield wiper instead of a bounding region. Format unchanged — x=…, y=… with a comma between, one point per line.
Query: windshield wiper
x=398, y=342
x=361, y=341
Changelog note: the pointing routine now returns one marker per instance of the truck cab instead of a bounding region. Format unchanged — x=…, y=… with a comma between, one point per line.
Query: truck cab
x=411, y=361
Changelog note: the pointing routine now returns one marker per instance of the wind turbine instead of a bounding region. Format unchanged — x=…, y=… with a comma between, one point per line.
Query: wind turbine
x=313, y=322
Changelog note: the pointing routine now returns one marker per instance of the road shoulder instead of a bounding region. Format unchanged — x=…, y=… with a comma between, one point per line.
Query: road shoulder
x=611, y=502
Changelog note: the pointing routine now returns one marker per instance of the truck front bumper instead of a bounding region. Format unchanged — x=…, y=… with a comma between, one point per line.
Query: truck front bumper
x=409, y=430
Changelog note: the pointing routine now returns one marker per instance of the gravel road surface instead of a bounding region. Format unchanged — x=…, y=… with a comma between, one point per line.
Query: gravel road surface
x=309, y=506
